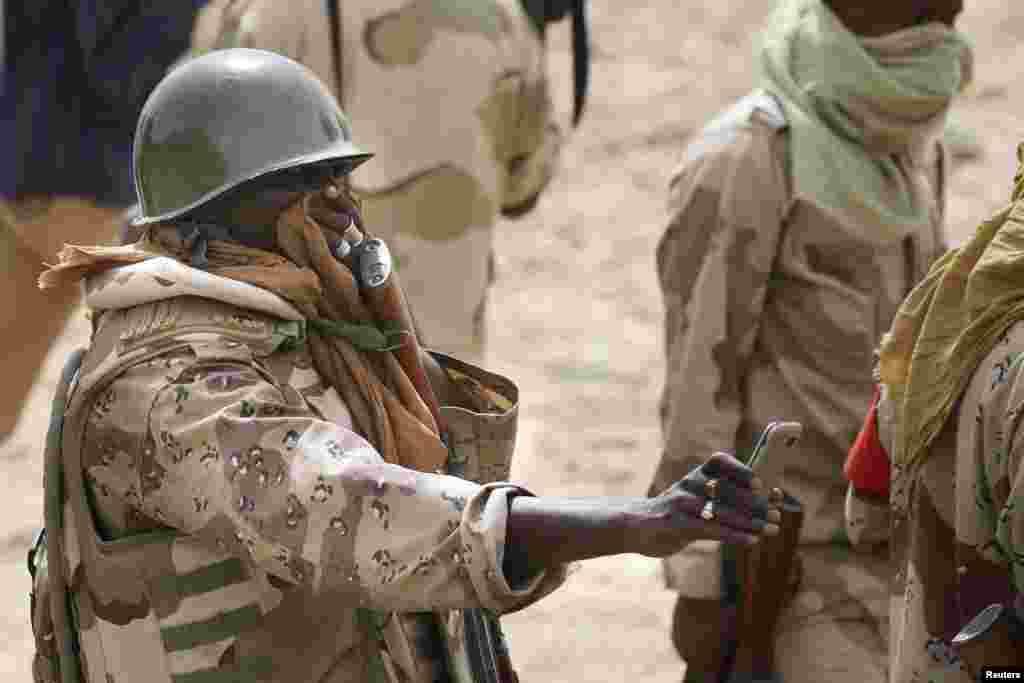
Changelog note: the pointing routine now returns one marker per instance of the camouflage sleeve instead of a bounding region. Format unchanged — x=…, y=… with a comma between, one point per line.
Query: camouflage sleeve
x=222, y=452
x=989, y=472
x=727, y=203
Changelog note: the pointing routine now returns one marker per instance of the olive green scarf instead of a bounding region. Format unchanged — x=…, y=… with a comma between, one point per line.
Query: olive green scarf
x=950, y=322
x=854, y=104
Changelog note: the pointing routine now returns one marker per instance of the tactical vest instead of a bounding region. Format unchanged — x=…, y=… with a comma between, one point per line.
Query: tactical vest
x=121, y=630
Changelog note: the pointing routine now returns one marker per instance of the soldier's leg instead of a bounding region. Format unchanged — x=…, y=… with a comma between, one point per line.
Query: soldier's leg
x=837, y=627
x=31, y=319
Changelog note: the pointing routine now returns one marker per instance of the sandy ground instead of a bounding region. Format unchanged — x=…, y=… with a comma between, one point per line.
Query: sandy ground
x=576, y=314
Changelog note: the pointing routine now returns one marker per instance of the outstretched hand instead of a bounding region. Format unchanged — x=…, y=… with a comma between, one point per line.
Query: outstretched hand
x=721, y=500
x=545, y=532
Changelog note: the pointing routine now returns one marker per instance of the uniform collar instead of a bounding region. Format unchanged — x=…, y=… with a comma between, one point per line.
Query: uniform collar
x=162, y=278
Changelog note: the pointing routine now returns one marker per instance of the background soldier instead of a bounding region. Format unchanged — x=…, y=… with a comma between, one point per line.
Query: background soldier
x=253, y=483
x=800, y=219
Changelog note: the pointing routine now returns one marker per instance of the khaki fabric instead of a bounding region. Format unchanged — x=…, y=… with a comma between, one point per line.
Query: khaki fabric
x=773, y=311
x=956, y=519
x=453, y=99
x=245, y=527
x=837, y=627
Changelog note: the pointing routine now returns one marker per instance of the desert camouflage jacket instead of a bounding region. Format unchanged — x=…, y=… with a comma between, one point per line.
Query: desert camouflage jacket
x=237, y=527
x=773, y=311
x=452, y=96
x=957, y=533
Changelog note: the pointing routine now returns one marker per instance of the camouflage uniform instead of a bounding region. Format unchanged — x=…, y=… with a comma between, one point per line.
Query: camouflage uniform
x=773, y=310
x=955, y=527
x=453, y=98
x=243, y=530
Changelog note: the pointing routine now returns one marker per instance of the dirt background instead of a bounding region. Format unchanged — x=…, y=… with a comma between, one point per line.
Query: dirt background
x=575, y=316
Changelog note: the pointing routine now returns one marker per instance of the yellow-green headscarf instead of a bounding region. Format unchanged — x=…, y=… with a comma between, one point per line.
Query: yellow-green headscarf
x=950, y=322
x=854, y=102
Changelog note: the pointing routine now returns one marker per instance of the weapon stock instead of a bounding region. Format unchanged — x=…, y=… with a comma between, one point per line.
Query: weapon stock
x=764, y=574
x=756, y=582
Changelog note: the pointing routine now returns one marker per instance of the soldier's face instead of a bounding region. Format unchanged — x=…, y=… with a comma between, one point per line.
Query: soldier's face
x=879, y=17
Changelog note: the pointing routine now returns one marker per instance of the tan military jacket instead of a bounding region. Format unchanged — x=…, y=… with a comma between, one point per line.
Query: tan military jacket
x=773, y=311
x=957, y=521
x=244, y=531
x=452, y=97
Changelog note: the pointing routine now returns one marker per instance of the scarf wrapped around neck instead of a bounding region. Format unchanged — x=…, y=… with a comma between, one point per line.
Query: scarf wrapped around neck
x=950, y=322
x=857, y=107
x=386, y=408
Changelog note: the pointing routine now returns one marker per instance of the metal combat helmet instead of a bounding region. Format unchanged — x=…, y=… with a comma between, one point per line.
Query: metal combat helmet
x=228, y=117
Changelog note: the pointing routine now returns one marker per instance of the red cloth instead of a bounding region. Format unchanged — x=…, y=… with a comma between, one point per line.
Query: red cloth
x=867, y=464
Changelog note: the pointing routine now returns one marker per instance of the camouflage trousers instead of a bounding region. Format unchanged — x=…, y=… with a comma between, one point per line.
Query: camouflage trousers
x=836, y=629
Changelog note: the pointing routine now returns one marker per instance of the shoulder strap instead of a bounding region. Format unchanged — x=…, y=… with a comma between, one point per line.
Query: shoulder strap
x=334, y=16
x=53, y=513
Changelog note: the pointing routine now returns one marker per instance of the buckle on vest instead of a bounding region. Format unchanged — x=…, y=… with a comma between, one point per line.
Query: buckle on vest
x=38, y=543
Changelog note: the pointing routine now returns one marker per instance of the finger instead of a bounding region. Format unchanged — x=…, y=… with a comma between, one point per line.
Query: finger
x=725, y=466
x=746, y=500
x=725, y=534
x=333, y=194
x=339, y=222
x=687, y=510
x=341, y=203
x=694, y=482
x=735, y=537
x=741, y=521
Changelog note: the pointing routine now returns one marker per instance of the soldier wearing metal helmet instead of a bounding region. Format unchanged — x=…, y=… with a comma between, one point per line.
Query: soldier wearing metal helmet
x=485, y=142
x=255, y=472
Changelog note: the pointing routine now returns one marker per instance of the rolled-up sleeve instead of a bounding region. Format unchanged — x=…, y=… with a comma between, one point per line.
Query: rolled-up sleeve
x=222, y=452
